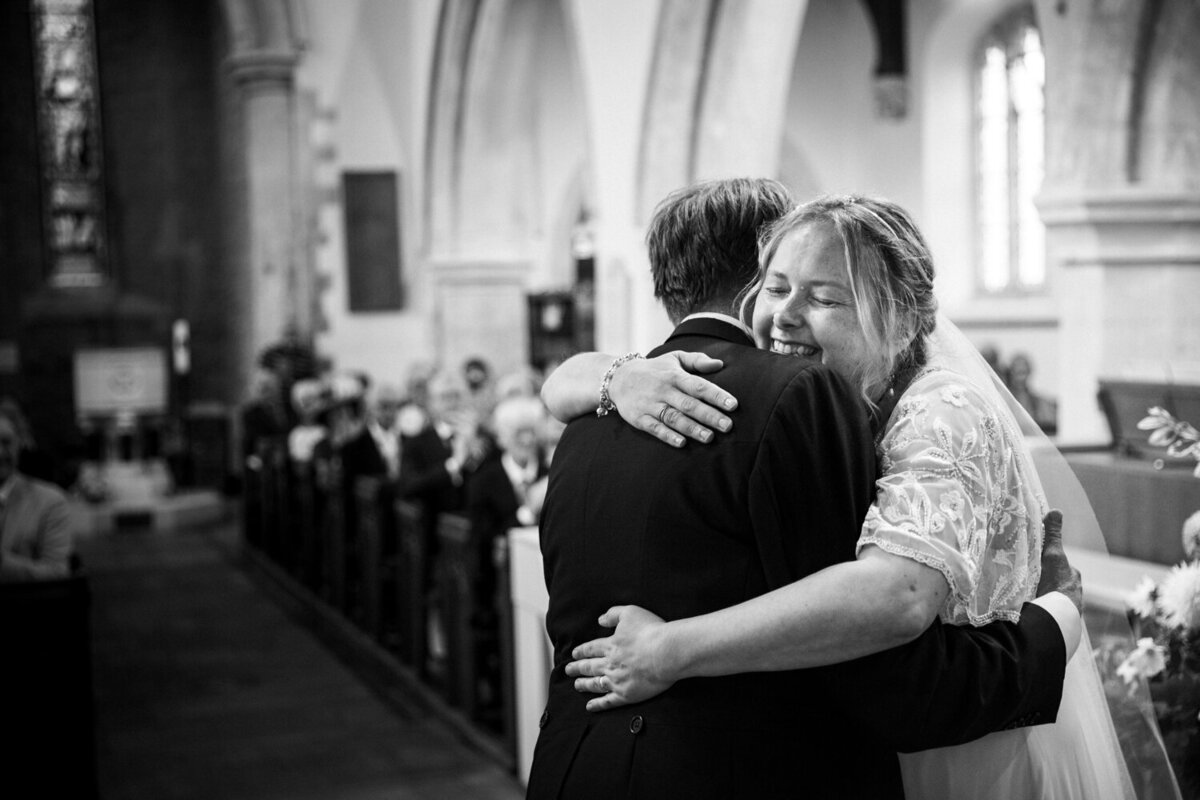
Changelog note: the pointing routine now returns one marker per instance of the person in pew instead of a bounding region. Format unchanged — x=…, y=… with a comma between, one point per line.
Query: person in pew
x=505, y=491
x=500, y=492
x=350, y=433
x=35, y=518
x=310, y=402
x=481, y=389
x=434, y=465
x=263, y=416
x=1043, y=409
x=383, y=424
x=435, y=461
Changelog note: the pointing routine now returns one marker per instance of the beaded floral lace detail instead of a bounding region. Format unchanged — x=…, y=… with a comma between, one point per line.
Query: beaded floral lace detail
x=955, y=496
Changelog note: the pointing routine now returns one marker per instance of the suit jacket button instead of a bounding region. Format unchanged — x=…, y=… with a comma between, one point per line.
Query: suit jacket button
x=545, y=718
x=635, y=724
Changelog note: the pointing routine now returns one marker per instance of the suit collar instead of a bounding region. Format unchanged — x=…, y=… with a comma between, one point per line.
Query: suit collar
x=714, y=326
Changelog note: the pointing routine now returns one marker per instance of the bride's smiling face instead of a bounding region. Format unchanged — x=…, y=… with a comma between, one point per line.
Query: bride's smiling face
x=805, y=307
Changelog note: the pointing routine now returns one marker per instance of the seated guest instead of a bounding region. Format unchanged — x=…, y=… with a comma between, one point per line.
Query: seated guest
x=434, y=461
x=433, y=466
x=349, y=433
x=35, y=520
x=308, y=399
x=1043, y=410
x=383, y=424
x=521, y=382
x=416, y=384
x=481, y=392
x=505, y=491
x=263, y=417
x=499, y=493
x=36, y=462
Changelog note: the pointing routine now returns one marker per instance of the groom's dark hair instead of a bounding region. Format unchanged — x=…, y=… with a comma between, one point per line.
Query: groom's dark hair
x=703, y=242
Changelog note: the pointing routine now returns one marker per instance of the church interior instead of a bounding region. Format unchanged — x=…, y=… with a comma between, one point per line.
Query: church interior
x=237, y=234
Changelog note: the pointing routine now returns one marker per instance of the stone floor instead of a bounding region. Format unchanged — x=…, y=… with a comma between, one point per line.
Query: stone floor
x=206, y=689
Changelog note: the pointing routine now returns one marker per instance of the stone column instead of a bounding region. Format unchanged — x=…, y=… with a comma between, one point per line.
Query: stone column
x=1128, y=265
x=265, y=250
x=1122, y=197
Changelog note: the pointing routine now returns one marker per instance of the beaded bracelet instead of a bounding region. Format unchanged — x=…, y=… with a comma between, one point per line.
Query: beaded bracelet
x=606, y=403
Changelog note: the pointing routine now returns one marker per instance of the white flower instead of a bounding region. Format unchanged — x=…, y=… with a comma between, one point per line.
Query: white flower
x=955, y=396
x=1179, y=596
x=1146, y=661
x=1142, y=600
x=952, y=503
x=1191, y=532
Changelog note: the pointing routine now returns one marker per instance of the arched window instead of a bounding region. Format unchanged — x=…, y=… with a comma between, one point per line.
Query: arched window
x=1009, y=136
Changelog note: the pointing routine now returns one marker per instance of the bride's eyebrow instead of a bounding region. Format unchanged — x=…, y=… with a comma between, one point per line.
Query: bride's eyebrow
x=822, y=284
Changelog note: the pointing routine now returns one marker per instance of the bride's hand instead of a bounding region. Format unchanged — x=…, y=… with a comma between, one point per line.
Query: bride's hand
x=665, y=398
x=627, y=667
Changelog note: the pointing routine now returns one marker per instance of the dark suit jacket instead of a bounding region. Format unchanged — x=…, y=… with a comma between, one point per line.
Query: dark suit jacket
x=688, y=531
x=360, y=456
x=423, y=474
x=35, y=532
x=492, y=501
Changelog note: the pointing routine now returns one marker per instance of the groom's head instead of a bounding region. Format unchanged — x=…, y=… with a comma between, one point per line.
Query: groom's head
x=703, y=242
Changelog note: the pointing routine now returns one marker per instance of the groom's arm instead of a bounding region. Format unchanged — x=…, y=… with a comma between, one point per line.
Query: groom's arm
x=957, y=683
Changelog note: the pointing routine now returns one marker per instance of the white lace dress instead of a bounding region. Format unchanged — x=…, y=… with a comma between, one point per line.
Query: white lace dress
x=959, y=494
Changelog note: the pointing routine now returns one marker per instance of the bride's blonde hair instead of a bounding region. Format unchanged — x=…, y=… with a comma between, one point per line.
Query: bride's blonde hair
x=891, y=278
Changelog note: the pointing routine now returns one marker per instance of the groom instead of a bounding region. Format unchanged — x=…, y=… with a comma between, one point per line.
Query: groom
x=691, y=530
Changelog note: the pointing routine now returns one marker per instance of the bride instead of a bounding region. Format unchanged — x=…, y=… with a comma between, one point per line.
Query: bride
x=849, y=282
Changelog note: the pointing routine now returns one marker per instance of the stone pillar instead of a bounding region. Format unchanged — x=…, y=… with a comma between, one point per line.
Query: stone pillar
x=1127, y=263
x=1121, y=202
x=265, y=254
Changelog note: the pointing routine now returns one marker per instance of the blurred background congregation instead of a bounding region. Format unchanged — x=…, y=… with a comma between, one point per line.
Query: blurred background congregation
x=281, y=279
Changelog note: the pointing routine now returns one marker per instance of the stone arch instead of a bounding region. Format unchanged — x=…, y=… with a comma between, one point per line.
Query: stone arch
x=507, y=127
x=829, y=105
x=717, y=98
x=507, y=144
x=1126, y=84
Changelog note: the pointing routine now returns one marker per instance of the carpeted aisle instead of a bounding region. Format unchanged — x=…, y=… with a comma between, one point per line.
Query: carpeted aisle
x=206, y=689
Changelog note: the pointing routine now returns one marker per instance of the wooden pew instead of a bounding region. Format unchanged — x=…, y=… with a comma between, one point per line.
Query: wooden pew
x=48, y=715
x=268, y=503
x=457, y=571
x=309, y=516
x=333, y=533
x=283, y=544
x=410, y=583
x=507, y=644
x=377, y=550
x=252, y=516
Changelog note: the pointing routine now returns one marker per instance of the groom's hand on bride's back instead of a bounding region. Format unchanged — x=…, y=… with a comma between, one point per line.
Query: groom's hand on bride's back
x=1057, y=573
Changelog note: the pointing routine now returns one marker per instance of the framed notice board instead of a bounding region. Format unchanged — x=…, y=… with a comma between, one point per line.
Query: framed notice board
x=373, y=266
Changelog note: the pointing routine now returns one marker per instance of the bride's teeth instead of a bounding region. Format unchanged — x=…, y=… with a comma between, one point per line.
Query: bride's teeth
x=792, y=349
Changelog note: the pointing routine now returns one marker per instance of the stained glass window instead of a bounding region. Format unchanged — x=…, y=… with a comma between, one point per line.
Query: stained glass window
x=69, y=129
x=1010, y=142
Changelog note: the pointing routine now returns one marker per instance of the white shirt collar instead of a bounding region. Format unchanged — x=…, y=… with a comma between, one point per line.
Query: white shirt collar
x=718, y=316
x=6, y=488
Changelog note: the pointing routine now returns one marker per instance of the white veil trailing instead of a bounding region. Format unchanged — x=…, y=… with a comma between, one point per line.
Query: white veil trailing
x=1118, y=717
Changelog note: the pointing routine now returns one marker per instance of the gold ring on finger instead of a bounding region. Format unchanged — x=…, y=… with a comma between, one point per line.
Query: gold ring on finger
x=662, y=414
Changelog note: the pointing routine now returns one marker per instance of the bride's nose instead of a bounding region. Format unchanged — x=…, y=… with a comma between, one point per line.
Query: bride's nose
x=788, y=315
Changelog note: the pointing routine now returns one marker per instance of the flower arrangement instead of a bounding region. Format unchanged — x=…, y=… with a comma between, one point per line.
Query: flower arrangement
x=1180, y=438
x=1166, y=623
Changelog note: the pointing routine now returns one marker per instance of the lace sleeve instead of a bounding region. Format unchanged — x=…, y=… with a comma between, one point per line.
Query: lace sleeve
x=952, y=498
